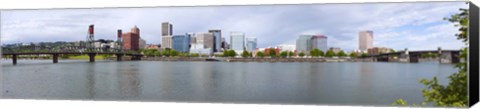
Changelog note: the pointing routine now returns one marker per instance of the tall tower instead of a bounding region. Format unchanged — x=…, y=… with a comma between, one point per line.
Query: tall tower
x=166, y=29
x=119, y=39
x=365, y=40
x=135, y=30
x=90, y=37
x=217, y=33
x=167, y=35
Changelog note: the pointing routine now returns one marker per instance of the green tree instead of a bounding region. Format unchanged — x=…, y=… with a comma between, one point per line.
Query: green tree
x=456, y=92
x=353, y=54
x=342, y=54
x=245, y=54
x=321, y=53
x=260, y=54
x=290, y=54
x=364, y=54
x=166, y=52
x=392, y=51
x=301, y=54
x=284, y=54
x=272, y=52
x=316, y=52
x=194, y=55
x=157, y=53
x=330, y=53
x=174, y=53
x=229, y=53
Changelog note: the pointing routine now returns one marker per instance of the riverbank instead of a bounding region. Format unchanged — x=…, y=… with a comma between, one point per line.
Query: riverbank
x=231, y=59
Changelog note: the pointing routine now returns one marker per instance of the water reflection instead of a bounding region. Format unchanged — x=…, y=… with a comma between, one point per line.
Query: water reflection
x=347, y=83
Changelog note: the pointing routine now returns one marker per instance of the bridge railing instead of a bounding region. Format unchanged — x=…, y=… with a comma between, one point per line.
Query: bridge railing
x=65, y=49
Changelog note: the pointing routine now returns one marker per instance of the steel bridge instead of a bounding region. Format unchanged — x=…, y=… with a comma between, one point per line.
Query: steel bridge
x=444, y=56
x=69, y=50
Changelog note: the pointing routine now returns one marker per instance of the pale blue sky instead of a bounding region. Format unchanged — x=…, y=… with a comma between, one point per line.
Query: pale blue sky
x=417, y=26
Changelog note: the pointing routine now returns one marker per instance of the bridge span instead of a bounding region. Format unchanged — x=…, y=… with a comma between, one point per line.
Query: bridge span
x=56, y=53
x=444, y=56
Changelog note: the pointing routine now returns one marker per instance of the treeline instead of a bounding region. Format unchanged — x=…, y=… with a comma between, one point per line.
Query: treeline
x=271, y=52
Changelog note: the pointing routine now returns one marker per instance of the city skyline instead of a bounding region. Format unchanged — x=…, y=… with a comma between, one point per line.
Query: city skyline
x=403, y=25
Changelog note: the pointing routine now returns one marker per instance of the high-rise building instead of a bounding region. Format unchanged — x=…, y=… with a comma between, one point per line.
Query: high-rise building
x=167, y=35
x=135, y=30
x=167, y=29
x=319, y=42
x=193, y=39
x=217, y=39
x=207, y=39
x=181, y=43
x=237, y=41
x=304, y=44
x=251, y=44
x=167, y=42
x=224, y=44
x=365, y=40
x=142, y=43
x=131, y=39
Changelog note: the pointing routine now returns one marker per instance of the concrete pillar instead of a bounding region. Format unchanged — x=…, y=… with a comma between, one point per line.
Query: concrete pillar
x=119, y=57
x=439, y=50
x=92, y=57
x=14, y=59
x=55, y=58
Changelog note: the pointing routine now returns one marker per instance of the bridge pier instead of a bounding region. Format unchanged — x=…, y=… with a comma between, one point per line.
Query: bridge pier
x=92, y=57
x=413, y=58
x=55, y=58
x=14, y=59
x=136, y=57
x=119, y=57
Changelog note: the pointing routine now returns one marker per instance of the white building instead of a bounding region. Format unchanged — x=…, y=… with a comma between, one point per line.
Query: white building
x=286, y=47
x=237, y=41
x=167, y=42
x=200, y=49
x=365, y=40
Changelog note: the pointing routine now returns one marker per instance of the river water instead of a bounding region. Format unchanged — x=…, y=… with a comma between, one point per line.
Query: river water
x=334, y=83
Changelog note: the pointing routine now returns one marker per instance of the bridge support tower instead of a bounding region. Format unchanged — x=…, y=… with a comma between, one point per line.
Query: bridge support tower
x=55, y=58
x=119, y=57
x=14, y=59
x=92, y=57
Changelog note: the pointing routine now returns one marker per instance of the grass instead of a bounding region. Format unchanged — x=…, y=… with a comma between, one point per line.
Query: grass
x=85, y=57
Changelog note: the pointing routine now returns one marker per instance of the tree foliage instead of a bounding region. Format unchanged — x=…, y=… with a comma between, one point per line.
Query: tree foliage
x=245, y=54
x=229, y=53
x=290, y=54
x=301, y=54
x=272, y=52
x=364, y=54
x=284, y=54
x=316, y=52
x=354, y=54
x=342, y=54
x=260, y=54
x=330, y=53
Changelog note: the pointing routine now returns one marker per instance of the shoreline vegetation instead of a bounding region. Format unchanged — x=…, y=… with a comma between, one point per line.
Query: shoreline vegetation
x=223, y=59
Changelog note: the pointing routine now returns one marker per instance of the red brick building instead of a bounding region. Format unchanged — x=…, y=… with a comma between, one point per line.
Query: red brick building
x=131, y=39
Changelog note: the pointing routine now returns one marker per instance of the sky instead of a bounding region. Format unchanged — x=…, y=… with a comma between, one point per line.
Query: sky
x=416, y=26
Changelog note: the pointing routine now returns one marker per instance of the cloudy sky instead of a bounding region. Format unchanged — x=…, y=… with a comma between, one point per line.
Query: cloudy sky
x=417, y=26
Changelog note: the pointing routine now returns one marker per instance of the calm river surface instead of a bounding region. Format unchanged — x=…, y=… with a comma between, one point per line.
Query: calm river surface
x=337, y=83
